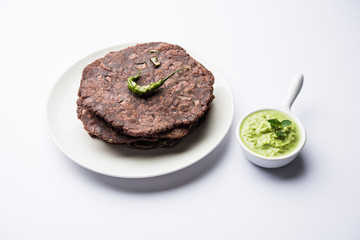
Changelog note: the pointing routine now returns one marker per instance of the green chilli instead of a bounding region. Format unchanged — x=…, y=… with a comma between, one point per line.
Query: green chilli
x=147, y=89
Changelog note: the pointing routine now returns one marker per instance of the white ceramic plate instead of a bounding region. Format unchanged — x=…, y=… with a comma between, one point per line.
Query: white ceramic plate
x=69, y=135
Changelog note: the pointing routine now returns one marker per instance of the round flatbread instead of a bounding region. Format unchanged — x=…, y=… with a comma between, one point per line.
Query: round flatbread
x=182, y=100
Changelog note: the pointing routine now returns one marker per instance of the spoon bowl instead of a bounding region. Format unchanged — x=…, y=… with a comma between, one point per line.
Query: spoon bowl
x=275, y=162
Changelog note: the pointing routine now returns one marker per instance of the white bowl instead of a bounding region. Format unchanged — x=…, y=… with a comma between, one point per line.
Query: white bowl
x=275, y=162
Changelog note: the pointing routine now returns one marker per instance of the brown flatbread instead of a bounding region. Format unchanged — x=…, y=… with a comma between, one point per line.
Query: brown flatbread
x=181, y=101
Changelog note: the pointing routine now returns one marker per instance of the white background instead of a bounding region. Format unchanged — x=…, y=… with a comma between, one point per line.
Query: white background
x=259, y=46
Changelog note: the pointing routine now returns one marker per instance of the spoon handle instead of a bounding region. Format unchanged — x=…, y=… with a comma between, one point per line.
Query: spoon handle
x=294, y=89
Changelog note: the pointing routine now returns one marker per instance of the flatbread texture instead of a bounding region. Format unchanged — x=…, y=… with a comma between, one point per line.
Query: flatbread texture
x=111, y=112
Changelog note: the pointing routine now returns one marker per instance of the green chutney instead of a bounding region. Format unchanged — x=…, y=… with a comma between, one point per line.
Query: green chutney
x=258, y=135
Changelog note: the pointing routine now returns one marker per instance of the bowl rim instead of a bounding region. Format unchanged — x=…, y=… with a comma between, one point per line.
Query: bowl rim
x=280, y=158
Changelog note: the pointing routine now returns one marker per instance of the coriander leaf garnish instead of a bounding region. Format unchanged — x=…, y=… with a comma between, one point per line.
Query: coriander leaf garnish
x=279, y=126
x=280, y=133
x=274, y=123
x=285, y=123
